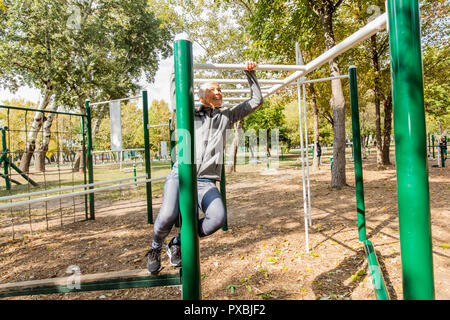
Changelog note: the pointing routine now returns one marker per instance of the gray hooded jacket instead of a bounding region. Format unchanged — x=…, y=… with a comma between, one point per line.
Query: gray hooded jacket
x=211, y=128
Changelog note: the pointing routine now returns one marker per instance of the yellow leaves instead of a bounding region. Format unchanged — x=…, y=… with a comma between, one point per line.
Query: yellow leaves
x=272, y=260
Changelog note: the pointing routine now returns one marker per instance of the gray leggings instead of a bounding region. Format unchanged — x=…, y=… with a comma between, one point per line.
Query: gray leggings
x=209, y=200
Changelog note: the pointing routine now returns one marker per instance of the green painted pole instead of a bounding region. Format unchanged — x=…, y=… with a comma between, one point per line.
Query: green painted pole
x=187, y=171
x=381, y=291
x=223, y=193
x=89, y=158
x=83, y=129
x=5, y=159
x=148, y=169
x=410, y=150
x=359, y=182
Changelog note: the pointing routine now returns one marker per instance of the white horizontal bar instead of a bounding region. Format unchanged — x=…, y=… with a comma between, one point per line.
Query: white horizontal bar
x=108, y=101
x=37, y=193
x=344, y=76
x=124, y=150
x=241, y=66
x=239, y=81
x=237, y=91
x=73, y=194
x=236, y=99
x=157, y=125
x=362, y=34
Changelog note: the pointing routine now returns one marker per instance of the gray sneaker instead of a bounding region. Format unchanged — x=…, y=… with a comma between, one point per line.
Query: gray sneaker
x=154, y=260
x=174, y=253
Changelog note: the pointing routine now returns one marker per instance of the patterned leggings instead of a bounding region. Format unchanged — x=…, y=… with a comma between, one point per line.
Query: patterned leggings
x=209, y=201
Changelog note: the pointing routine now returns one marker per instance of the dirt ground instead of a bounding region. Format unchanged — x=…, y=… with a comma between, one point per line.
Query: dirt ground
x=263, y=254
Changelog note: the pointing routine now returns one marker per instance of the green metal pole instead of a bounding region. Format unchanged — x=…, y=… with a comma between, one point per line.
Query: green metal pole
x=83, y=129
x=359, y=182
x=5, y=158
x=381, y=291
x=148, y=169
x=410, y=149
x=223, y=193
x=187, y=169
x=89, y=158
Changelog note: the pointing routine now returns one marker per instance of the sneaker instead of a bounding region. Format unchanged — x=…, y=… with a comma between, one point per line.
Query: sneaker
x=154, y=260
x=174, y=253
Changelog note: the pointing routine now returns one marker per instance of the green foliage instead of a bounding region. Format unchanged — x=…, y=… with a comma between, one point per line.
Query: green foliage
x=269, y=117
x=81, y=49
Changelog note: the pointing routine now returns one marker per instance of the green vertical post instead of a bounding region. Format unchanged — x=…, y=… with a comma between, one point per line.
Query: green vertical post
x=187, y=171
x=429, y=145
x=359, y=182
x=223, y=193
x=89, y=158
x=148, y=169
x=5, y=159
x=410, y=149
x=83, y=129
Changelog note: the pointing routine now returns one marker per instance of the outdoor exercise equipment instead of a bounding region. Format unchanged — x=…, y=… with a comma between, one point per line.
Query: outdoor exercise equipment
x=66, y=138
x=409, y=124
x=6, y=162
x=409, y=118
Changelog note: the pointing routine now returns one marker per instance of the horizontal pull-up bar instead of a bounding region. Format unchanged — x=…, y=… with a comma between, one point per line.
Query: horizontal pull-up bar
x=239, y=81
x=237, y=91
x=344, y=76
x=236, y=99
x=109, y=101
x=241, y=66
x=376, y=25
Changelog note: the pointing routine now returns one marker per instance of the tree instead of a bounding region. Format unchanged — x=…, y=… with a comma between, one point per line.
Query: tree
x=269, y=117
x=218, y=27
x=435, y=48
x=74, y=50
x=301, y=17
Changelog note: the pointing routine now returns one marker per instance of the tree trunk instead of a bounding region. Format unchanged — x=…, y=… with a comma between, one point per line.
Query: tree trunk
x=39, y=161
x=387, y=129
x=231, y=165
x=337, y=102
x=33, y=133
x=376, y=89
x=315, y=112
